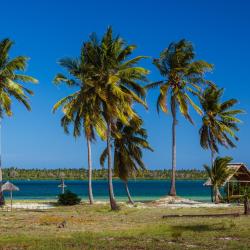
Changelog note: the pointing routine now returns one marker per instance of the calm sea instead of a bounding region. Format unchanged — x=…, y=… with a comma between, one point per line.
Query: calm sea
x=139, y=189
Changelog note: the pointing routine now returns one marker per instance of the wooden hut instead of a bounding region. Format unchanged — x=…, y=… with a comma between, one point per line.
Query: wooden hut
x=237, y=182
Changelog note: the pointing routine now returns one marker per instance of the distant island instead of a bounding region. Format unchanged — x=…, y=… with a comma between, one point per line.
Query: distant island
x=13, y=173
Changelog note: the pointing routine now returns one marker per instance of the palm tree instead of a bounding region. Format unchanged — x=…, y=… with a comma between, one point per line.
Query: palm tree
x=80, y=108
x=115, y=80
x=219, y=123
x=183, y=76
x=128, y=151
x=218, y=174
x=10, y=86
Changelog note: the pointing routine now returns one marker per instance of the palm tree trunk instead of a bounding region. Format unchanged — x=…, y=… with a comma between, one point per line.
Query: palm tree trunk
x=113, y=203
x=128, y=193
x=174, y=122
x=216, y=194
x=212, y=163
x=1, y=173
x=212, y=194
x=91, y=199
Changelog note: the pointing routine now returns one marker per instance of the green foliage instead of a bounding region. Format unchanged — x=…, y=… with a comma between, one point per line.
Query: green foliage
x=113, y=78
x=80, y=108
x=128, y=149
x=177, y=236
x=218, y=122
x=239, y=188
x=98, y=174
x=219, y=171
x=107, y=85
x=68, y=199
x=218, y=174
x=10, y=80
x=183, y=76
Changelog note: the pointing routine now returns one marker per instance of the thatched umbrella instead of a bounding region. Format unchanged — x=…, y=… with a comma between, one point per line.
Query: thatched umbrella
x=8, y=186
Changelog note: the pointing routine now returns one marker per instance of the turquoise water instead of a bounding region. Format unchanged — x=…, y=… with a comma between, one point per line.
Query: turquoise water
x=140, y=190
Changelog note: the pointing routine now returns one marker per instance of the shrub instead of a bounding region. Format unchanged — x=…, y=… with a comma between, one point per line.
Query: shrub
x=68, y=198
x=176, y=236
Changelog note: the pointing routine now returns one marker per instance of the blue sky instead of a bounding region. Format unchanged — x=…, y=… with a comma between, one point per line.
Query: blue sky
x=49, y=30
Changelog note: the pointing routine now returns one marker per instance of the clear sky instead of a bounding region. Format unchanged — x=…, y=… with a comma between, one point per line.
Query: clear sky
x=47, y=30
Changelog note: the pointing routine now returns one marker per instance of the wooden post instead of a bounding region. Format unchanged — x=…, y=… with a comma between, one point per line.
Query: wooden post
x=228, y=192
x=62, y=186
x=246, y=206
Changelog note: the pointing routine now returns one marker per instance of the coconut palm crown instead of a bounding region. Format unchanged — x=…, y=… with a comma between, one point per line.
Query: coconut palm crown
x=11, y=79
x=218, y=174
x=219, y=122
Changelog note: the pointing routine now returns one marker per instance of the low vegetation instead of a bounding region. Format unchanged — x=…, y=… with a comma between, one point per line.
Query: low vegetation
x=82, y=227
x=68, y=198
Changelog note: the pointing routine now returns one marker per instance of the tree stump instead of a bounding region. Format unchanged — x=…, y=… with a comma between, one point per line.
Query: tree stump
x=246, y=206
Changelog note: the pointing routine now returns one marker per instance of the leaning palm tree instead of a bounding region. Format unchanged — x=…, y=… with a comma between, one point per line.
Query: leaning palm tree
x=218, y=174
x=10, y=86
x=219, y=124
x=80, y=108
x=128, y=152
x=183, y=76
x=116, y=82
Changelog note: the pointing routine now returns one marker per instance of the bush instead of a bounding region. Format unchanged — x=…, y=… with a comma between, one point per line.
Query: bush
x=68, y=199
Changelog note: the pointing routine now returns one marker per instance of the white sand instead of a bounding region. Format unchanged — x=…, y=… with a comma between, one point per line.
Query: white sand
x=178, y=202
x=166, y=202
x=36, y=206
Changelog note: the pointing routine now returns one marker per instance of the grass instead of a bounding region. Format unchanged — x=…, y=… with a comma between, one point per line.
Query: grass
x=96, y=227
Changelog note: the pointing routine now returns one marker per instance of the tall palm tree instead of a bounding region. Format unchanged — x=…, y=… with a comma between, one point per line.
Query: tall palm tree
x=116, y=82
x=218, y=174
x=80, y=108
x=219, y=124
x=183, y=76
x=128, y=151
x=10, y=86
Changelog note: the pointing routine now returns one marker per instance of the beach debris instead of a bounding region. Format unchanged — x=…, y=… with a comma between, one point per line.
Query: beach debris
x=228, y=238
x=179, y=202
x=8, y=186
x=62, y=224
x=201, y=215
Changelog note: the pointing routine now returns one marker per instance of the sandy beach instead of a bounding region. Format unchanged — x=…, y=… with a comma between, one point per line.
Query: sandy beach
x=166, y=202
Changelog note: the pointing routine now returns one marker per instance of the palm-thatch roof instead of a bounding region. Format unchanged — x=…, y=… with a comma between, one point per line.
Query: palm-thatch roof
x=8, y=186
x=240, y=172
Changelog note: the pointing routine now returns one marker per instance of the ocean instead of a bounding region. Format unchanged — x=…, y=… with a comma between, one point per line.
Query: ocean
x=141, y=190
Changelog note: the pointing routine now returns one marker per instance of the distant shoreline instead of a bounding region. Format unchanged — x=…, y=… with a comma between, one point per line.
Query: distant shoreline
x=104, y=179
x=14, y=173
